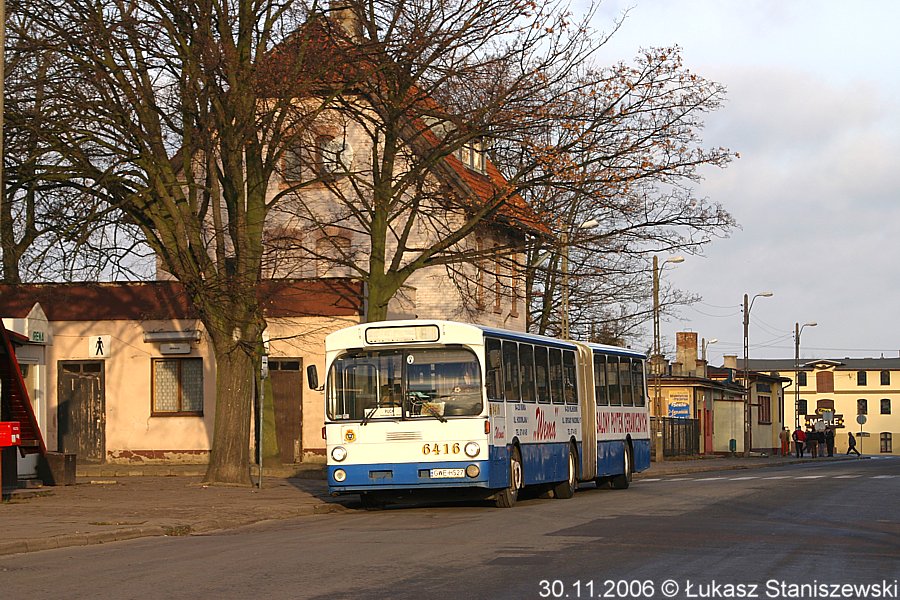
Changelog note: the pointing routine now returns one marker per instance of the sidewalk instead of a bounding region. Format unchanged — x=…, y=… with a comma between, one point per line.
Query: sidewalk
x=111, y=503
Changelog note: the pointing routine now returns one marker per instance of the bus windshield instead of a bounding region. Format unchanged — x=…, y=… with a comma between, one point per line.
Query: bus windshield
x=421, y=383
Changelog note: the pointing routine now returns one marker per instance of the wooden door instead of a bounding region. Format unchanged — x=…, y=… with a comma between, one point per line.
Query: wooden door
x=81, y=415
x=287, y=392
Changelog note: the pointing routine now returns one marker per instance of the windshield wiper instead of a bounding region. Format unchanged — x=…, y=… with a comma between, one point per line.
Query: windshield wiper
x=368, y=416
x=425, y=406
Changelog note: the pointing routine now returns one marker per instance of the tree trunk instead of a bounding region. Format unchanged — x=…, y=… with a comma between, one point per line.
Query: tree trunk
x=230, y=462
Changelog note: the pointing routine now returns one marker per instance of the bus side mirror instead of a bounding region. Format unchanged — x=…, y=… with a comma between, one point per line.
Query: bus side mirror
x=312, y=377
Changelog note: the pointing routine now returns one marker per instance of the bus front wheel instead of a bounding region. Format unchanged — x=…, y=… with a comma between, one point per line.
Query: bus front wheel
x=372, y=501
x=508, y=496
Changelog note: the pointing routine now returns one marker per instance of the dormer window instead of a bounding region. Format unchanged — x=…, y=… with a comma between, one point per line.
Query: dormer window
x=472, y=155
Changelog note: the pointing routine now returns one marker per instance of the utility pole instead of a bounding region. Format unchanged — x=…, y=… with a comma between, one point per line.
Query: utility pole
x=748, y=412
x=797, y=331
x=656, y=359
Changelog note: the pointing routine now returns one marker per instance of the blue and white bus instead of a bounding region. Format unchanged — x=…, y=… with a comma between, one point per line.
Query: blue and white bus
x=428, y=404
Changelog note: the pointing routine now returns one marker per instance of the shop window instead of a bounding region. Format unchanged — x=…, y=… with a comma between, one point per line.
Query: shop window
x=887, y=444
x=177, y=387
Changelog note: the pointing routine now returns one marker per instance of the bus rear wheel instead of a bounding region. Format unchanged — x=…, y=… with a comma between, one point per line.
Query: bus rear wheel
x=621, y=482
x=508, y=496
x=566, y=489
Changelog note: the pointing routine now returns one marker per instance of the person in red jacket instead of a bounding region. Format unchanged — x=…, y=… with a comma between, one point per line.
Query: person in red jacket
x=799, y=438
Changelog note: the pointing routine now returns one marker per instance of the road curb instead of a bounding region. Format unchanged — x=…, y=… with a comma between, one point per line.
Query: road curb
x=181, y=529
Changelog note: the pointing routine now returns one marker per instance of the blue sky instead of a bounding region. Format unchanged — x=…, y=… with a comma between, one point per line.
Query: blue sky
x=814, y=110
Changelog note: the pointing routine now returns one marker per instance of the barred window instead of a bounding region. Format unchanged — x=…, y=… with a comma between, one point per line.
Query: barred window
x=177, y=386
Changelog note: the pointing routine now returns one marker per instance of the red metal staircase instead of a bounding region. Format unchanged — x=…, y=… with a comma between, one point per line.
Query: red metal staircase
x=14, y=401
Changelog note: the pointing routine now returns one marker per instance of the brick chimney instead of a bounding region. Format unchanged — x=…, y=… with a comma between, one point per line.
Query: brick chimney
x=730, y=361
x=686, y=351
x=342, y=13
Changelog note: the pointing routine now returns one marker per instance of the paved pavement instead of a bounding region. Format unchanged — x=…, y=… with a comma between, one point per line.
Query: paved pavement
x=111, y=503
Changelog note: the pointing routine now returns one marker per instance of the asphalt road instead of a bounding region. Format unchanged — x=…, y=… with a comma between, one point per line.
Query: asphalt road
x=761, y=533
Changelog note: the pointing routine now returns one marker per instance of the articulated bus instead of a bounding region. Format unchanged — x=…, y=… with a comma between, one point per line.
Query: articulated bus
x=436, y=405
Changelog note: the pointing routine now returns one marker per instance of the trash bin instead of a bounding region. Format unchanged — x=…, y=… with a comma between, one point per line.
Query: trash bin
x=732, y=445
x=57, y=468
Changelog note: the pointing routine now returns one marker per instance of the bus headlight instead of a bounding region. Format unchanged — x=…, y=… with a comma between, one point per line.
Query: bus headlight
x=472, y=449
x=340, y=475
x=339, y=453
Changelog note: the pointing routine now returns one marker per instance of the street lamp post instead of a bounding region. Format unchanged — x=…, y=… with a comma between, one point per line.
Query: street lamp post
x=798, y=329
x=656, y=362
x=748, y=436
x=564, y=242
x=704, y=345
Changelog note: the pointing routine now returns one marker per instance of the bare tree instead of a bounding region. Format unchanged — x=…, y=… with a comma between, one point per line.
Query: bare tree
x=566, y=141
x=222, y=128
x=633, y=182
x=173, y=131
x=51, y=226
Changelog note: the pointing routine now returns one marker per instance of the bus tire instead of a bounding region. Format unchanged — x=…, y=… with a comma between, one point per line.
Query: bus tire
x=566, y=489
x=372, y=501
x=622, y=481
x=507, y=497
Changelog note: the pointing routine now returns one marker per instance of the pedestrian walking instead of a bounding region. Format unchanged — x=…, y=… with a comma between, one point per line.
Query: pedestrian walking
x=799, y=441
x=829, y=440
x=785, y=438
x=851, y=444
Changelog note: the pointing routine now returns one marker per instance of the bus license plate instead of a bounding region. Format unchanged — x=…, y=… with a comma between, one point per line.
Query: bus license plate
x=447, y=473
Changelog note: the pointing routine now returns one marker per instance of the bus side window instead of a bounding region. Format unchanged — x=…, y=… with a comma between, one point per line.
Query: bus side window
x=511, y=371
x=625, y=381
x=637, y=378
x=541, y=374
x=571, y=383
x=612, y=380
x=556, y=376
x=600, y=380
x=494, y=379
x=526, y=372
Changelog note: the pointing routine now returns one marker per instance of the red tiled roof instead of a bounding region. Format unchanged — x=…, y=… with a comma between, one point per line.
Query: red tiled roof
x=167, y=300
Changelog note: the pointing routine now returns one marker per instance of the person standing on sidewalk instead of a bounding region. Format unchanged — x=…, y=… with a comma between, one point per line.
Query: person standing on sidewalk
x=785, y=438
x=812, y=443
x=851, y=443
x=799, y=441
x=829, y=440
